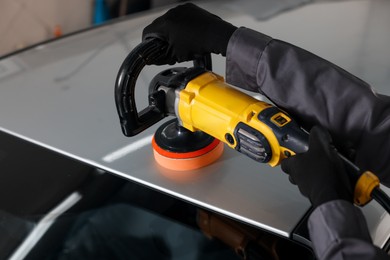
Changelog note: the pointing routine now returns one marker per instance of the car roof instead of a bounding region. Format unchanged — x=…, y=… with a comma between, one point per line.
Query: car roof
x=60, y=95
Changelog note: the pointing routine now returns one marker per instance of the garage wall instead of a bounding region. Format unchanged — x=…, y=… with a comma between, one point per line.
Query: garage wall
x=25, y=22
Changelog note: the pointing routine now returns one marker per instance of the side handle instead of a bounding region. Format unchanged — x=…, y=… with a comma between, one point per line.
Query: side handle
x=133, y=122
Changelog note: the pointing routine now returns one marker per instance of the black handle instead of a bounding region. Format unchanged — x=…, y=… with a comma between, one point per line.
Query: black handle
x=132, y=121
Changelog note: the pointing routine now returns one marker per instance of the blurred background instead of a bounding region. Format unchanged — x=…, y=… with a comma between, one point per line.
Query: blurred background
x=24, y=22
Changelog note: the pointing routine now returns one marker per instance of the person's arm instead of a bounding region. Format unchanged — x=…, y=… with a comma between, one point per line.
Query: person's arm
x=311, y=89
x=315, y=92
x=338, y=230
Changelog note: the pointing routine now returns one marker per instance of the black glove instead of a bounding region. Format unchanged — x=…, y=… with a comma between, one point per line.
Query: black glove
x=319, y=173
x=190, y=32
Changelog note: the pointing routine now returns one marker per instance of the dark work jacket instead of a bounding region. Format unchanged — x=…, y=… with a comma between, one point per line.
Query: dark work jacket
x=316, y=92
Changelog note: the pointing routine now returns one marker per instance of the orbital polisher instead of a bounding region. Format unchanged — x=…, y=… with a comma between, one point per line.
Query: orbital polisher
x=210, y=113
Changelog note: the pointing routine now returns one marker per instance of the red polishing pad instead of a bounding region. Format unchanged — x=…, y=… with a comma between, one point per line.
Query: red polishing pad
x=189, y=160
x=179, y=149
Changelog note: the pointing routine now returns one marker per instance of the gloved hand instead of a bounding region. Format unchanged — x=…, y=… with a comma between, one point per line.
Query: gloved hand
x=319, y=173
x=190, y=32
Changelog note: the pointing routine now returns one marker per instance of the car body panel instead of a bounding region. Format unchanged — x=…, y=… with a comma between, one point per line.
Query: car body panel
x=60, y=95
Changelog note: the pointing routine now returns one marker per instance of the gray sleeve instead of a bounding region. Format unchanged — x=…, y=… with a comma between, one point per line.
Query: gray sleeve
x=314, y=92
x=338, y=230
